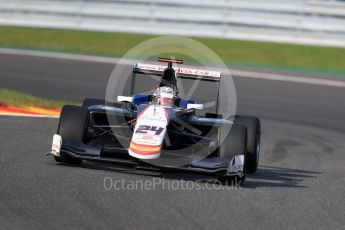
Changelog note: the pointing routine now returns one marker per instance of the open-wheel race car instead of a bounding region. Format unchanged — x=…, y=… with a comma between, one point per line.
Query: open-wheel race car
x=160, y=130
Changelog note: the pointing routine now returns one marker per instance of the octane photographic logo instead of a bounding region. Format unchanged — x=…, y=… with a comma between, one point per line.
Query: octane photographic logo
x=160, y=183
x=197, y=56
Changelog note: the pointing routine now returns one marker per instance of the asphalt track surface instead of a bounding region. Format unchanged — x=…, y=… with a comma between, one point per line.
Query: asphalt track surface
x=300, y=183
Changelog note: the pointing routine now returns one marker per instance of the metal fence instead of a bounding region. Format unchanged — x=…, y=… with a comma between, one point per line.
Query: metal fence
x=292, y=21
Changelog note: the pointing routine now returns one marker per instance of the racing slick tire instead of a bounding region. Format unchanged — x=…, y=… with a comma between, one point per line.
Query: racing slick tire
x=72, y=126
x=95, y=101
x=234, y=143
x=92, y=101
x=253, y=140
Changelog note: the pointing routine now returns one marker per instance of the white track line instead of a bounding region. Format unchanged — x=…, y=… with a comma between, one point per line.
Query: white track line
x=27, y=115
x=57, y=55
x=278, y=77
x=235, y=73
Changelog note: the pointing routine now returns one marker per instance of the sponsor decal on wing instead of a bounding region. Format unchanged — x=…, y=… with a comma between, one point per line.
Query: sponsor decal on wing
x=236, y=164
x=56, y=145
x=187, y=71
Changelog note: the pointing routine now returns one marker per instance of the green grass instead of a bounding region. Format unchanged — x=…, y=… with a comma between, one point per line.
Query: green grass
x=19, y=99
x=233, y=52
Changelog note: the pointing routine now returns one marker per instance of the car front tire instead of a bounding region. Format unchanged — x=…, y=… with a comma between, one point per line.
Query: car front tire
x=234, y=143
x=253, y=126
x=72, y=126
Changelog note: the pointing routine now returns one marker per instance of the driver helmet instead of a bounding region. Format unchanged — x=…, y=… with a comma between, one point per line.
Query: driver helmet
x=165, y=96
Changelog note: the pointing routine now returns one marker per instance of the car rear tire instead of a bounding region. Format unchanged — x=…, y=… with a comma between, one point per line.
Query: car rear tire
x=253, y=126
x=234, y=143
x=72, y=126
x=92, y=101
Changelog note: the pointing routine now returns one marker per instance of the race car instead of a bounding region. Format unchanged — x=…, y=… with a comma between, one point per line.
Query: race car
x=157, y=129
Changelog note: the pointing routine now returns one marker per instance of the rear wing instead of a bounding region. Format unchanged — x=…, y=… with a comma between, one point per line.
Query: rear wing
x=181, y=72
x=209, y=79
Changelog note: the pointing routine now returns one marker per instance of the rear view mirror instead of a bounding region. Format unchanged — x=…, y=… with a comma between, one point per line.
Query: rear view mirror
x=124, y=99
x=195, y=106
